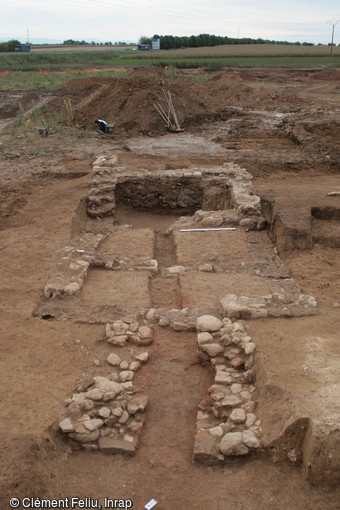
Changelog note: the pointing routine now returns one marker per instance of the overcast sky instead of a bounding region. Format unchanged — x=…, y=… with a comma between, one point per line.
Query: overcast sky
x=119, y=20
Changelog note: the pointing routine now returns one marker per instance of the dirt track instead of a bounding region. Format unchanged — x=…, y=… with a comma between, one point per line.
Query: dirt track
x=283, y=128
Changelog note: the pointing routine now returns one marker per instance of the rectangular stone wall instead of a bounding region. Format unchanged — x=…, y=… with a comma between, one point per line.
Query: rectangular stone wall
x=165, y=192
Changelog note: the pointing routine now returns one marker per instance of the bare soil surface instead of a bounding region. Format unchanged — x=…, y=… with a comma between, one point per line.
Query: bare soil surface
x=283, y=128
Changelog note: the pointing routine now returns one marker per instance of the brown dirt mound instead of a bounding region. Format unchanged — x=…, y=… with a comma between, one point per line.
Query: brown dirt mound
x=197, y=98
x=130, y=101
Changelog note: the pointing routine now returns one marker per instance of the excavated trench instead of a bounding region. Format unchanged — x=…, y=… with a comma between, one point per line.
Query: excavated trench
x=142, y=263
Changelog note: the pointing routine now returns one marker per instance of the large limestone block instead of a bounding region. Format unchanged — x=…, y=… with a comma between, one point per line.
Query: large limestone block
x=232, y=444
x=110, y=445
x=208, y=323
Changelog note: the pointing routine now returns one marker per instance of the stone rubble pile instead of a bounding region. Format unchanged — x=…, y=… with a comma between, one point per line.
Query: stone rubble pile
x=127, y=264
x=106, y=413
x=226, y=422
x=183, y=319
x=207, y=219
x=277, y=304
x=73, y=266
x=128, y=329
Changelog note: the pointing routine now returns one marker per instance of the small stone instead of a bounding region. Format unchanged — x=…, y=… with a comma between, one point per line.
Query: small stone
x=114, y=359
x=88, y=405
x=216, y=431
x=93, y=424
x=137, y=404
x=238, y=326
x=237, y=362
x=127, y=386
x=176, y=269
x=208, y=323
x=126, y=375
x=66, y=425
x=72, y=288
x=208, y=268
x=236, y=388
x=249, y=407
x=222, y=377
x=245, y=395
x=292, y=456
x=118, y=340
x=135, y=426
x=85, y=437
x=128, y=438
x=104, y=412
x=241, y=450
x=120, y=327
x=151, y=314
x=164, y=321
x=249, y=348
x=145, y=332
x=217, y=395
x=238, y=415
x=105, y=431
x=230, y=401
x=124, y=417
x=250, y=439
x=133, y=327
x=204, y=338
x=179, y=326
x=107, y=387
x=118, y=411
x=251, y=419
x=124, y=365
x=143, y=358
x=135, y=365
x=230, y=443
x=220, y=367
x=94, y=394
x=212, y=349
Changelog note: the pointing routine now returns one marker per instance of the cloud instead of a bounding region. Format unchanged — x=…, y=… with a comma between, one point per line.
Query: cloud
x=113, y=20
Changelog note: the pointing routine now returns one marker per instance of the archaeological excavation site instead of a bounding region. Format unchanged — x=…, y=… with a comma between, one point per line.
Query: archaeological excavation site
x=170, y=301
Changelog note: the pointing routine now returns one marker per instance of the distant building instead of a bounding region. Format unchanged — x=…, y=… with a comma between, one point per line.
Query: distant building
x=22, y=48
x=156, y=43
x=144, y=47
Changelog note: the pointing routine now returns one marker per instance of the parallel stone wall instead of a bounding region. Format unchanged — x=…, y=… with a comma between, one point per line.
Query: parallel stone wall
x=227, y=425
x=107, y=412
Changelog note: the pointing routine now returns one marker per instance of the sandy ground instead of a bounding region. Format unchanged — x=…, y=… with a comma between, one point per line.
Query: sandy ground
x=42, y=181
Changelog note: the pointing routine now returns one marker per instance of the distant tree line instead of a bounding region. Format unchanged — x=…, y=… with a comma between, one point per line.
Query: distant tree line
x=69, y=42
x=9, y=45
x=168, y=42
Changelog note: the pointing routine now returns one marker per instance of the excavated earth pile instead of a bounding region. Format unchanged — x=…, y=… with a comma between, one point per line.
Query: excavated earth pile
x=206, y=98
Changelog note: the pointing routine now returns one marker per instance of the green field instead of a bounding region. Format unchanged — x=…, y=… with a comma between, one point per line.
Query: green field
x=23, y=69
